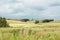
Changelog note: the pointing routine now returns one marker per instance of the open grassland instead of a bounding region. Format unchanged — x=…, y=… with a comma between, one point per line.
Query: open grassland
x=14, y=23
x=30, y=31
x=29, y=34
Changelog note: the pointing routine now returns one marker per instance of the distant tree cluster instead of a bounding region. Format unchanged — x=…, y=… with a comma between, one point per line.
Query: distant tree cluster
x=3, y=22
x=47, y=20
x=24, y=20
x=37, y=21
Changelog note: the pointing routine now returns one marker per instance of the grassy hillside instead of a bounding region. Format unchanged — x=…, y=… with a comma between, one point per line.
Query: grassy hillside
x=30, y=31
x=16, y=23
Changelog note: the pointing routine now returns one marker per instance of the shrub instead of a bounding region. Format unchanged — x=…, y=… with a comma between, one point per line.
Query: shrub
x=36, y=21
x=3, y=22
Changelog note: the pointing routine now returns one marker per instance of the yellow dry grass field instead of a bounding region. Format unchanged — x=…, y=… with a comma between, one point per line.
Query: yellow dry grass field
x=15, y=23
x=41, y=31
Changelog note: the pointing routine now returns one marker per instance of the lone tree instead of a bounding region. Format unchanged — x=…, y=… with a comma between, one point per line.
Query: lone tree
x=3, y=22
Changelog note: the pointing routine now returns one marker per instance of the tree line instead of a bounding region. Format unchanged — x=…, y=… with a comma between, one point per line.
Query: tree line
x=37, y=21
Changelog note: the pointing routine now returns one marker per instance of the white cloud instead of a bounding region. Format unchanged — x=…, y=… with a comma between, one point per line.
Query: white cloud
x=30, y=8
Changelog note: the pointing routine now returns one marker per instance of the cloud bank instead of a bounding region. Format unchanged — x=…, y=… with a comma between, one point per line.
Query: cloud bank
x=32, y=9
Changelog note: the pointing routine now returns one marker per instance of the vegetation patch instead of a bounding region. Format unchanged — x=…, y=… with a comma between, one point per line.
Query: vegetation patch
x=3, y=22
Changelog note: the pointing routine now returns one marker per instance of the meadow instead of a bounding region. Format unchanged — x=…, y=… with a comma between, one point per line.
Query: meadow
x=29, y=31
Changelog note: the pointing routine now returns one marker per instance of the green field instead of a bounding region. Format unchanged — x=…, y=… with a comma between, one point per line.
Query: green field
x=29, y=31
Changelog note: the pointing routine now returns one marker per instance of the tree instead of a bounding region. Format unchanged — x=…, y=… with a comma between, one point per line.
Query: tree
x=3, y=22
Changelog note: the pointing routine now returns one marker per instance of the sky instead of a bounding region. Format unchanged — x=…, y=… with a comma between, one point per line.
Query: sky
x=31, y=9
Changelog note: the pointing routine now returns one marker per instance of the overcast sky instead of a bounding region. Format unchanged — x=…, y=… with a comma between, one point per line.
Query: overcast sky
x=32, y=9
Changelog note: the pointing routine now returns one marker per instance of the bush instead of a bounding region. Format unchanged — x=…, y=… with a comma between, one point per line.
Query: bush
x=36, y=21
x=3, y=22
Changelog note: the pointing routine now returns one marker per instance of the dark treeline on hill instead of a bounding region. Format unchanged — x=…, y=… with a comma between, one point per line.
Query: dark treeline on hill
x=44, y=21
x=37, y=21
x=24, y=20
x=3, y=22
x=47, y=20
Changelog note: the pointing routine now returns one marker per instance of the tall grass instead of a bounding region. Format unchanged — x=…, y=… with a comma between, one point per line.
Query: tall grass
x=29, y=34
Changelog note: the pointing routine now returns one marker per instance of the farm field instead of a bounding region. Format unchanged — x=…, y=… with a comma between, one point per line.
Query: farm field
x=30, y=31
